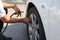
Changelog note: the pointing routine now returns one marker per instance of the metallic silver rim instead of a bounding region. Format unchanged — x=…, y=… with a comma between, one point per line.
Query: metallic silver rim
x=32, y=28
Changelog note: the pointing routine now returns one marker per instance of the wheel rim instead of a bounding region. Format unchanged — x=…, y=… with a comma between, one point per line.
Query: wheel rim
x=33, y=27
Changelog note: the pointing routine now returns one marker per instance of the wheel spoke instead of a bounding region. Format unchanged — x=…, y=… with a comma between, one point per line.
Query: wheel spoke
x=33, y=17
x=37, y=35
x=37, y=26
x=30, y=29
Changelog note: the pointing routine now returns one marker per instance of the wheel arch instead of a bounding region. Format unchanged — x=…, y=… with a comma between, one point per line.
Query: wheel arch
x=30, y=5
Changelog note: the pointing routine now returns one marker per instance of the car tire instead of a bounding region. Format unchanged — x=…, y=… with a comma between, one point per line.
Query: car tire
x=39, y=26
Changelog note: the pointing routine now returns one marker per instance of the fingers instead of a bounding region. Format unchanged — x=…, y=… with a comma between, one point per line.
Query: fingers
x=17, y=11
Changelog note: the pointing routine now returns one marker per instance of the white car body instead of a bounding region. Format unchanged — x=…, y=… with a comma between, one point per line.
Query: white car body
x=49, y=11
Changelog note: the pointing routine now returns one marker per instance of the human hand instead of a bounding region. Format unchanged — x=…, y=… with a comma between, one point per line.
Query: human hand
x=26, y=20
x=17, y=10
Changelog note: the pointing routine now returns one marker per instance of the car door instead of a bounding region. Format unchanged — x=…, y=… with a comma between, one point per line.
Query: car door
x=54, y=21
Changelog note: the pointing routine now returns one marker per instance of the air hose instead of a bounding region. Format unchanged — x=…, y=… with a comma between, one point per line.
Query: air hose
x=10, y=17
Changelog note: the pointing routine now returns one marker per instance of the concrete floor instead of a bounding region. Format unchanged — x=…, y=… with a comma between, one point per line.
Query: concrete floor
x=16, y=31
